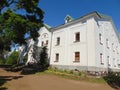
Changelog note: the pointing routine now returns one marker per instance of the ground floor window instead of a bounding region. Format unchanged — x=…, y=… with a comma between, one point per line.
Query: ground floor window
x=108, y=59
x=77, y=57
x=101, y=58
x=56, y=57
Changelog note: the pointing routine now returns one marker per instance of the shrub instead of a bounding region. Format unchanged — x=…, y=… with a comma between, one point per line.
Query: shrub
x=79, y=74
x=44, y=62
x=1, y=61
x=12, y=59
x=71, y=72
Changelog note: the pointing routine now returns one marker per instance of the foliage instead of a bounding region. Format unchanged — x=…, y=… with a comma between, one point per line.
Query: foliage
x=43, y=62
x=12, y=59
x=113, y=79
x=18, y=17
x=1, y=61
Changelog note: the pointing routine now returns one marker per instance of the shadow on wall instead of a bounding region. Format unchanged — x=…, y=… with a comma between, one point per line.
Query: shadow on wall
x=4, y=79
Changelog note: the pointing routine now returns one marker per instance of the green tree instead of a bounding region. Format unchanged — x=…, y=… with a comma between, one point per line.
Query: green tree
x=12, y=59
x=44, y=61
x=18, y=17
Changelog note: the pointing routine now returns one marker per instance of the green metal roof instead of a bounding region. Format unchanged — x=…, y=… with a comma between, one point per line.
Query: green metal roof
x=47, y=26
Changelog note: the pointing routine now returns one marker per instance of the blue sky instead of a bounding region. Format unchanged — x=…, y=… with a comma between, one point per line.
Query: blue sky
x=56, y=10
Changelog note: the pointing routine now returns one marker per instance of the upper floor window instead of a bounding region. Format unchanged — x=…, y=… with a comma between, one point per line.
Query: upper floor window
x=101, y=58
x=46, y=42
x=42, y=43
x=107, y=43
x=114, y=62
x=58, y=41
x=100, y=38
x=77, y=37
x=77, y=57
x=113, y=48
x=108, y=59
x=117, y=49
x=56, y=57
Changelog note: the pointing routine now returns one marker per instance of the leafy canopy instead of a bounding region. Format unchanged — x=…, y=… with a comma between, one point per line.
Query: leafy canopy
x=18, y=17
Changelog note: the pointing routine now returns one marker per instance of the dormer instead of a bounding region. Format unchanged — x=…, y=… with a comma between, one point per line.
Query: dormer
x=68, y=18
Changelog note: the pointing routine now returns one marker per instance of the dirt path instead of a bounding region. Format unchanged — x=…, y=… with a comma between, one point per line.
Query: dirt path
x=15, y=81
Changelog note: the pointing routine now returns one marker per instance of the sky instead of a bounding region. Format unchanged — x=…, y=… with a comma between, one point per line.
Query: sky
x=56, y=10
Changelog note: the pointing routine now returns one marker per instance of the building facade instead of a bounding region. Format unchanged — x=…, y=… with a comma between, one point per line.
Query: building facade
x=89, y=43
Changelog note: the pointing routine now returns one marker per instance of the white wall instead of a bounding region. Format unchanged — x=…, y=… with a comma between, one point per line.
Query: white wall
x=68, y=47
x=108, y=32
x=45, y=35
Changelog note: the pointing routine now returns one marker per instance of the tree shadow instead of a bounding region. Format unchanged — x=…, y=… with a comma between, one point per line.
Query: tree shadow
x=4, y=79
x=113, y=79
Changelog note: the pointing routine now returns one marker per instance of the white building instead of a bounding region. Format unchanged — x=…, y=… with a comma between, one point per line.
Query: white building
x=89, y=43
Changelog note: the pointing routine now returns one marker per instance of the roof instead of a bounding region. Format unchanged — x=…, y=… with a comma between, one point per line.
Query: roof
x=89, y=15
x=47, y=26
x=73, y=21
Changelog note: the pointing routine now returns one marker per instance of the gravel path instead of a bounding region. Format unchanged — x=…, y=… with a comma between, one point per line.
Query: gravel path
x=15, y=81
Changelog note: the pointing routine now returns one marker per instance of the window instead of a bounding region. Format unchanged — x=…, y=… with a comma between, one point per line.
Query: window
x=77, y=37
x=114, y=62
x=77, y=57
x=46, y=42
x=100, y=38
x=58, y=41
x=118, y=63
x=56, y=57
x=42, y=43
x=107, y=43
x=101, y=58
x=108, y=59
x=113, y=47
x=117, y=49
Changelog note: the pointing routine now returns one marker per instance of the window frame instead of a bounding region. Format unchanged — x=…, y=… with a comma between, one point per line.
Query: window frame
x=57, y=57
x=57, y=41
x=77, y=37
x=101, y=59
x=107, y=43
x=100, y=39
x=42, y=43
x=77, y=56
x=108, y=59
x=46, y=42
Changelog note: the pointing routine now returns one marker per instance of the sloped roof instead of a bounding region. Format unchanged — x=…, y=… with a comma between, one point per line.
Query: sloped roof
x=73, y=21
x=47, y=26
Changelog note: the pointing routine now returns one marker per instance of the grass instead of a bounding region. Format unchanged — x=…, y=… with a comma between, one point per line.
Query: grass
x=79, y=76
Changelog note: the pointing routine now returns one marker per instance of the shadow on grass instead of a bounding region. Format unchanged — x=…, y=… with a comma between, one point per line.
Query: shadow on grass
x=113, y=80
x=4, y=79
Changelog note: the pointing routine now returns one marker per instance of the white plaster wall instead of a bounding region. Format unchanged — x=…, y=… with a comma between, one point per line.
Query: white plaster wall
x=68, y=47
x=44, y=31
x=106, y=29
x=91, y=42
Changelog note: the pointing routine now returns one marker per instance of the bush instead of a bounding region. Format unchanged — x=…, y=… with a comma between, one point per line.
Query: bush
x=71, y=72
x=12, y=59
x=1, y=61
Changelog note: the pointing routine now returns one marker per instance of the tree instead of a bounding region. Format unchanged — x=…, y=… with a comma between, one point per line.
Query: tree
x=18, y=17
x=12, y=59
x=43, y=62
